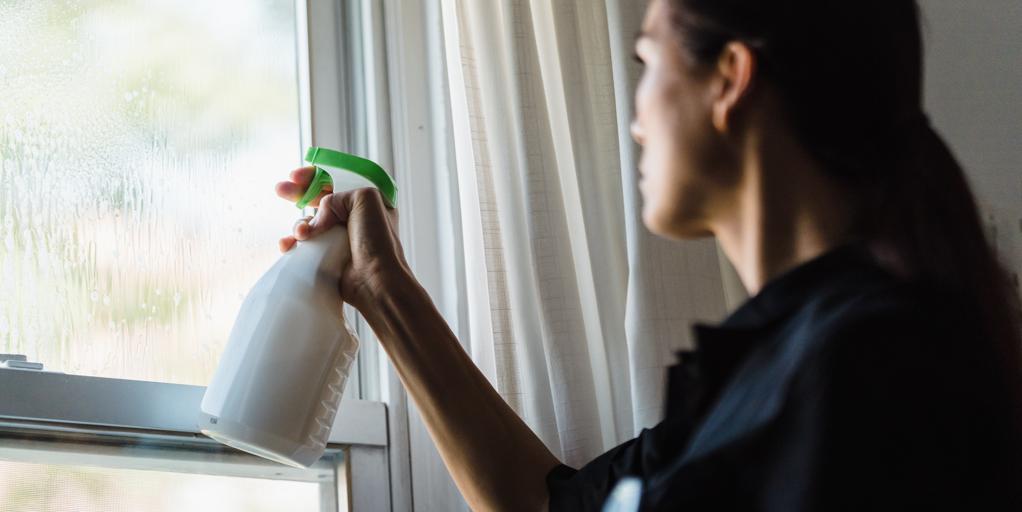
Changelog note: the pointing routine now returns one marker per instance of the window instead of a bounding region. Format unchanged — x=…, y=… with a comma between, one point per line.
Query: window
x=141, y=140
x=89, y=489
x=139, y=144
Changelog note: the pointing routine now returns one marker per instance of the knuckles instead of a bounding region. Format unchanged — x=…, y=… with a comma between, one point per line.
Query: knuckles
x=366, y=194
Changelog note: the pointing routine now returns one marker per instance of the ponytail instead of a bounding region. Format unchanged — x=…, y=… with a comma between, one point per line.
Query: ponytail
x=925, y=225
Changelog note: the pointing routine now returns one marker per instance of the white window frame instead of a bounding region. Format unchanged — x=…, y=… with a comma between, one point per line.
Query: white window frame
x=56, y=418
x=407, y=122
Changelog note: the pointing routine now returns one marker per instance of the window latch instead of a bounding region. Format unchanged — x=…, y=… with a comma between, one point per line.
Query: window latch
x=18, y=362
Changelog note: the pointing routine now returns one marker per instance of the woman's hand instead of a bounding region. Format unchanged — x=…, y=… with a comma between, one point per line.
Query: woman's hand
x=377, y=259
x=461, y=409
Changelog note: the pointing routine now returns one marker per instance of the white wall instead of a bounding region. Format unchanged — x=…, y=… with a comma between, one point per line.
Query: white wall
x=974, y=97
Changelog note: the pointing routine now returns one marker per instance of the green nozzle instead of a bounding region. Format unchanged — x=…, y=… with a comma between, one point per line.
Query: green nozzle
x=362, y=171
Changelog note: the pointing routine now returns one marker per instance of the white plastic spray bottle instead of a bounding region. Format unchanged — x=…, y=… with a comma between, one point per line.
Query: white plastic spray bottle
x=279, y=382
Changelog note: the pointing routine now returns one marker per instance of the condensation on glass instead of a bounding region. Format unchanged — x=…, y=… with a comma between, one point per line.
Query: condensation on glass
x=52, y=488
x=139, y=144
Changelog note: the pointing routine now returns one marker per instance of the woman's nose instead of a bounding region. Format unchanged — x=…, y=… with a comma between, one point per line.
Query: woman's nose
x=636, y=131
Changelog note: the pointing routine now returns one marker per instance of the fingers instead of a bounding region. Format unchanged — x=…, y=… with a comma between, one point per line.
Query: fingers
x=308, y=228
x=371, y=225
x=324, y=220
x=286, y=244
x=299, y=180
x=336, y=209
x=366, y=201
x=304, y=230
x=289, y=190
x=303, y=175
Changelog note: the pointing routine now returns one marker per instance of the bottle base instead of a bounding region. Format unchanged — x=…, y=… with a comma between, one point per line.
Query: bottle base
x=262, y=444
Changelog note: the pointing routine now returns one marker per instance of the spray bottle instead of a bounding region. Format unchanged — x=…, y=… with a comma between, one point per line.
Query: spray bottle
x=279, y=382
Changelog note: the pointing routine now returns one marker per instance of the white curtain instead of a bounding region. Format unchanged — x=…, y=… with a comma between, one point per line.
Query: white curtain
x=560, y=295
x=572, y=308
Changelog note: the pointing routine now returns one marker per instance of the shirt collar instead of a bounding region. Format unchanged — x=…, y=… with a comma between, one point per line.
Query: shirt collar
x=701, y=374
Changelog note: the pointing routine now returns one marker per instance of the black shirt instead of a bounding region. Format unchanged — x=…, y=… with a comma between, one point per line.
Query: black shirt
x=837, y=387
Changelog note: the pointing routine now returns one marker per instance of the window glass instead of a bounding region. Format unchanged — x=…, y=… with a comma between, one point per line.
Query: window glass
x=139, y=144
x=52, y=488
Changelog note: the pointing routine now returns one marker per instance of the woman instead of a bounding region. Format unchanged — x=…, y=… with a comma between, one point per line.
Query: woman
x=876, y=365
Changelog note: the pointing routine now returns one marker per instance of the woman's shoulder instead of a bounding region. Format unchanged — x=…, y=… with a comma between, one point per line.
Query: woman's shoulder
x=875, y=311
x=904, y=385
x=848, y=293
x=915, y=338
x=889, y=337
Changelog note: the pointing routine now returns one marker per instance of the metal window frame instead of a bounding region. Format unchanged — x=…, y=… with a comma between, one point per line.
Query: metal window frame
x=55, y=418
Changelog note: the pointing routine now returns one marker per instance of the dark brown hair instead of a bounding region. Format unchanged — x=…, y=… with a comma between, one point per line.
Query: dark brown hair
x=849, y=74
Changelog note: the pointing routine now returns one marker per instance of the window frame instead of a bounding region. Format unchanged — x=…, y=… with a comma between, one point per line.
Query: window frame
x=56, y=418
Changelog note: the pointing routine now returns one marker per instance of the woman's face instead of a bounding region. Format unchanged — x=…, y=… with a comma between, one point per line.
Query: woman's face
x=686, y=169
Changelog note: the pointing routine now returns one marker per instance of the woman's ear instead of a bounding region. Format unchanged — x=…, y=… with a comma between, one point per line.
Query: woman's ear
x=735, y=70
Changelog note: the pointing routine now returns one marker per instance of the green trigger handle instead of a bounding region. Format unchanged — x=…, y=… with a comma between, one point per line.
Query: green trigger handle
x=363, y=167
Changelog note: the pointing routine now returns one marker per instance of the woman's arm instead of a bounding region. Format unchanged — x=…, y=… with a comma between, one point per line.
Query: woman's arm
x=497, y=462
x=495, y=459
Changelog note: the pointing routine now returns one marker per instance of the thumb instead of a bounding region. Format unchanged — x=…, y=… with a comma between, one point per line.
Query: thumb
x=365, y=204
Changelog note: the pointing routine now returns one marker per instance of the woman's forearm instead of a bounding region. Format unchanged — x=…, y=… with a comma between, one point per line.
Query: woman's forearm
x=497, y=462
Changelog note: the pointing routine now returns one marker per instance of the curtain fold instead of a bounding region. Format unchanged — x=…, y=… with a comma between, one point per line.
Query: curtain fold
x=571, y=307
